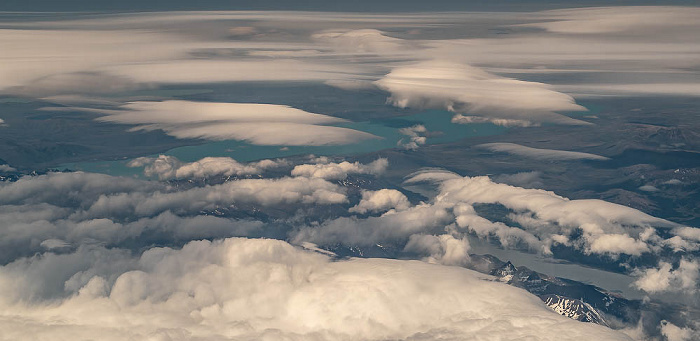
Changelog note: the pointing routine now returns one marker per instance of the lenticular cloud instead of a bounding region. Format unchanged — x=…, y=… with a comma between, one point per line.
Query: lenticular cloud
x=260, y=124
x=248, y=289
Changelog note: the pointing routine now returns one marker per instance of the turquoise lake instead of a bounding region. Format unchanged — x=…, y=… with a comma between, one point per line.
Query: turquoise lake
x=438, y=123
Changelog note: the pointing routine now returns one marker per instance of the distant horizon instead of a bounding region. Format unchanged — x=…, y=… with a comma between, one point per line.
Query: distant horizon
x=361, y=6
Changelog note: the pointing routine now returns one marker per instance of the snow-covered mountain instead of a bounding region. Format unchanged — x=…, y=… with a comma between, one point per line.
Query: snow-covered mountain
x=574, y=309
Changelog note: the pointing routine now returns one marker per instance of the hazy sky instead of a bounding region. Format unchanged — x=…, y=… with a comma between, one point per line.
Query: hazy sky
x=319, y=5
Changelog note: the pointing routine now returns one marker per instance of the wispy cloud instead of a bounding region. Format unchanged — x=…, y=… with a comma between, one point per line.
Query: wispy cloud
x=539, y=153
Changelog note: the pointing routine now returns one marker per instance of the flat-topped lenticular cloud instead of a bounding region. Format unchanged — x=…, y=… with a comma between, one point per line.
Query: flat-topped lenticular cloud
x=462, y=88
x=261, y=124
x=539, y=153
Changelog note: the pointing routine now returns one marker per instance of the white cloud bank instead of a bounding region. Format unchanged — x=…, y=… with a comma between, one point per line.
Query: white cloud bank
x=40, y=212
x=339, y=171
x=683, y=278
x=167, y=167
x=242, y=289
x=380, y=201
x=546, y=218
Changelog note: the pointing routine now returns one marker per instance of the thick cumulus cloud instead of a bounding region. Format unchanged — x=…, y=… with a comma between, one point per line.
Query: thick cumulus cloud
x=443, y=249
x=62, y=211
x=416, y=137
x=675, y=333
x=539, y=153
x=380, y=201
x=90, y=232
x=681, y=278
x=242, y=289
x=392, y=226
x=265, y=192
x=166, y=167
x=324, y=169
x=78, y=187
x=545, y=218
x=462, y=88
x=262, y=124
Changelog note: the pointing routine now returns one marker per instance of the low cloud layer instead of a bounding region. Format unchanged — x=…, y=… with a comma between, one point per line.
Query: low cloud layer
x=96, y=234
x=324, y=169
x=166, y=167
x=272, y=291
x=380, y=201
x=541, y=219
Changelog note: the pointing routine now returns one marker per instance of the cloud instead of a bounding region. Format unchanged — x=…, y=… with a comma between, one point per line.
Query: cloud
x=393, y=226
x=648, y=188
x=79, y=187
x=87, y=83
x=169, y=167
x=463, y=119
x=272, y=291
x=7, y=168
x=510, y=237
x=125, y=51
x=264, y=192
x=539, y=153
x=227, y=71
x=380, y=201
x=675, y=333
x=546, y=218
x=618, y=243
x=681, y=278
x=687, y=232
x=364, y=41
x=524, y=179
x=416, y=134
x=462, y=88
x=339, y=171
x=261, y=124
x=432, y=175
x=80, y=209
x=444, y=249
x=81, y=57
x=606, y=20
